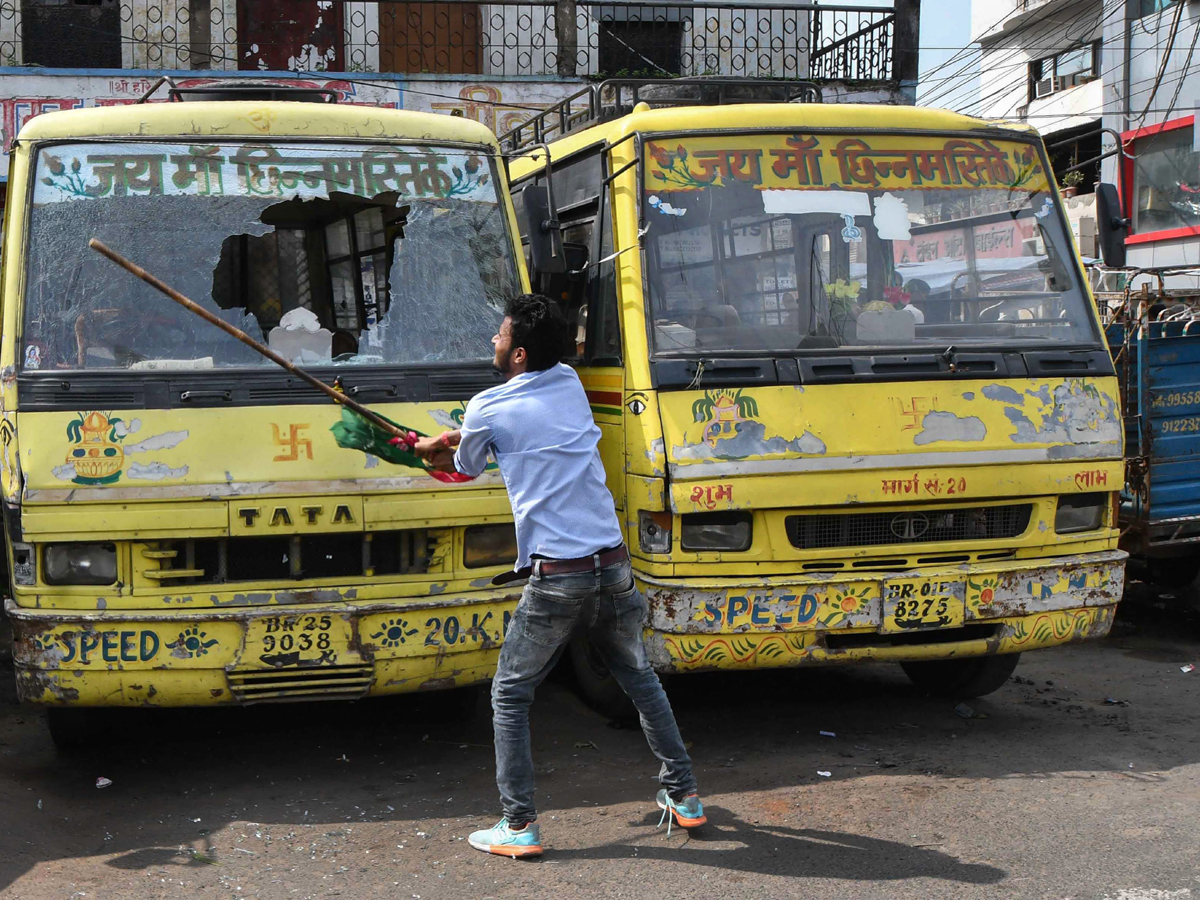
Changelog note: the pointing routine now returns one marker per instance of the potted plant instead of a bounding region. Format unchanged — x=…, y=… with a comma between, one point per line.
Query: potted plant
x=1069, y=183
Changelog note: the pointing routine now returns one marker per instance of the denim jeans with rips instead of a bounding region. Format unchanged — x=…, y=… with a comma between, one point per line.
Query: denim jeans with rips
x=607, y=607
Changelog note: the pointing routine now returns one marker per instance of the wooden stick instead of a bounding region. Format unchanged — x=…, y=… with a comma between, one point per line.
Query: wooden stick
x=335, y=395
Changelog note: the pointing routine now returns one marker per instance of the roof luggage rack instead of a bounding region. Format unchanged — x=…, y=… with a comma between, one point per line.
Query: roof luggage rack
x=617, y=97
x=256, y=89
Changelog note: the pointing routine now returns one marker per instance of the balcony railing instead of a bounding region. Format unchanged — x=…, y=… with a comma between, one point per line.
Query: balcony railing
x=620, y=37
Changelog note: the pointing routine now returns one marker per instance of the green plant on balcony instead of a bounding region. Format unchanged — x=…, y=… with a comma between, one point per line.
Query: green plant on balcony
x=1069, y=182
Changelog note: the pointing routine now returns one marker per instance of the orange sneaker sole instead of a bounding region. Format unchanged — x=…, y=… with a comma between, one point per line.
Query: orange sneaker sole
x=509, y=850
x=685, y=822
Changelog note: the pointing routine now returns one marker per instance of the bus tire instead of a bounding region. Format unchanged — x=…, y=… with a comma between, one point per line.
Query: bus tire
x=77, y=728
x=596, y=684
x=962, y=679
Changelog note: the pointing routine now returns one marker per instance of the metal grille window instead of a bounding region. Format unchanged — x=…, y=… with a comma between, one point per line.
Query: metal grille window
x=357, y=254
x=70, y=33
x=223, y=560
x=836, y=530
x=1064, y=70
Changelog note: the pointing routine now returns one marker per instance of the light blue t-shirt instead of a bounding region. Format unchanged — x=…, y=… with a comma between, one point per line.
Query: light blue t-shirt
x=538, y=427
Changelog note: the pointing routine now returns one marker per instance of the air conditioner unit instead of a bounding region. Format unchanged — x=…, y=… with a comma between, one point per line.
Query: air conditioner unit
x=1047, y=86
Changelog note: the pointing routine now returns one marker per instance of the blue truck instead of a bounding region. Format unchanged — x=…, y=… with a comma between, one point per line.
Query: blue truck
x=1155, y=342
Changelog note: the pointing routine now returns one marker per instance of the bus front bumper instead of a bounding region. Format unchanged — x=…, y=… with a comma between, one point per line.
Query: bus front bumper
x=266, y=654
x=972, y=609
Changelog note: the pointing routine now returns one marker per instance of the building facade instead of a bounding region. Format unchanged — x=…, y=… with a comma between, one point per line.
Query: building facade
x=1112, y=85
x=496, y=62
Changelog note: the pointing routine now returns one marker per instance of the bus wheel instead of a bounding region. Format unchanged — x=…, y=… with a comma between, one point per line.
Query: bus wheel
x=596, y=683
x=962, y=679
x=76, y=728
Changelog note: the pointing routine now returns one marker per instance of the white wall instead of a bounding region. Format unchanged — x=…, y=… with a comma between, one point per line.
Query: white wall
x=985, y=17
x=1067, y=109
x=1148, y=44
x=1004, y=65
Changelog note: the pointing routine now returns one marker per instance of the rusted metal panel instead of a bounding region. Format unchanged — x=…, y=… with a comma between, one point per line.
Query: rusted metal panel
x=290, y=35
x=818, y=602
x=720, y=623
x=430, y=37
x=257, y=655
x=693, y=653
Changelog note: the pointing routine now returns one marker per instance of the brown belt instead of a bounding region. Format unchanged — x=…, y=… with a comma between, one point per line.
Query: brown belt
x=543, y=567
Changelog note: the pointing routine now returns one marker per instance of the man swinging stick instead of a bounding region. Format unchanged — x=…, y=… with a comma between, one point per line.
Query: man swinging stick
x=538, y=427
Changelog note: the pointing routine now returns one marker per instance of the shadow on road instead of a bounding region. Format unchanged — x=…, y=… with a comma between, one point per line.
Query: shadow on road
x=734, y=845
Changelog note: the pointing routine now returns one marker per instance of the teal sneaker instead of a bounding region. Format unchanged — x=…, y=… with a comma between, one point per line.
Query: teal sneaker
x=504, y=841
x=688, y=812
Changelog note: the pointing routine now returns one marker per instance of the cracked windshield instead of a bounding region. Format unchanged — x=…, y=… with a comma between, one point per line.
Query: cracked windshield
x=809, y=242
x=330, y=255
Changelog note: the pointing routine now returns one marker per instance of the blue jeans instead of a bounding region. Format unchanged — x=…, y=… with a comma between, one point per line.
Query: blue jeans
x=607, y=607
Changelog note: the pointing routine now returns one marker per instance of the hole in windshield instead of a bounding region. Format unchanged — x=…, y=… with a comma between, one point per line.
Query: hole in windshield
x=331, y=256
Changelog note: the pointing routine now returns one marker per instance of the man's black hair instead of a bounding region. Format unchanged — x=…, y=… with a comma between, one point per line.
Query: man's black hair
x=539, y=326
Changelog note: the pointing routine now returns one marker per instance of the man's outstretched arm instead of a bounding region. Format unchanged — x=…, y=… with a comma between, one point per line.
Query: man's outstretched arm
x=473, y=440
x=439, y=451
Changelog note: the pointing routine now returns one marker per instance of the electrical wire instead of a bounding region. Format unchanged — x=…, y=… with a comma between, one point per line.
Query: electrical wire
x=1002, y=91
x=969, y=47
x=984, y=100
x=1023, y=60
x=1162, y=68
x=1187, y=64
x=1019, y=50
x=1020, y=54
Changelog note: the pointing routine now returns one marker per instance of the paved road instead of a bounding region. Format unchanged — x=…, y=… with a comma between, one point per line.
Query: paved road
x=1055, y=794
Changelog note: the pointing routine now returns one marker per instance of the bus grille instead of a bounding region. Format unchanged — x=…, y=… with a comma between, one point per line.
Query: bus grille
x=293, y=685
x=977, y=523
x=348, y=555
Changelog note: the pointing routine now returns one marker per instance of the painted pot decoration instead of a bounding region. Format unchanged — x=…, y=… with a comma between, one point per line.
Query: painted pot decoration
x=97, y=455
x=724, y=410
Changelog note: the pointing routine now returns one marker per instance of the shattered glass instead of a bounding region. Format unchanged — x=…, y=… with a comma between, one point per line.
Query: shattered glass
x=331, y=255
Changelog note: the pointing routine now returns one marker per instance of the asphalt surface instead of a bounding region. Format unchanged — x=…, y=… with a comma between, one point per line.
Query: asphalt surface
x=1057, y=793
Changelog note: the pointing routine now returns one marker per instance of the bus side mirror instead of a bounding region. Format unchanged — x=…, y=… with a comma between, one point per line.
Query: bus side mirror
x=1112, y=225
x=545, y=234
x=565, y=287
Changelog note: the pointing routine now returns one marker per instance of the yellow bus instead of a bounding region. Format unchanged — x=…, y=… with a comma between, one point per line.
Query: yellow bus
x=855, y=400
x=182, y=528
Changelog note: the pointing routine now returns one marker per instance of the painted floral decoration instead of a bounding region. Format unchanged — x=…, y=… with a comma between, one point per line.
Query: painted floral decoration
x=673, y=168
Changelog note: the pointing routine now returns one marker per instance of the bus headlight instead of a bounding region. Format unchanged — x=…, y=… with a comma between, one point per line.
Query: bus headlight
x=1080, y=512
x=24, y=564
x=79, y=563
x=489, y=545
x=717, y=531
x=654, y=531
